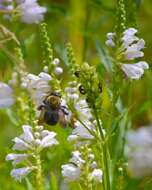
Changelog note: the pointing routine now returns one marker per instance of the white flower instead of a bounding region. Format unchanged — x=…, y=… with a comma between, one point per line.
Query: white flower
x=17, y=158
x=83, y=110
x=94, y=165
x=38, y=86
x=81, y=132
x=76, y=158
x=49, y=140
x=28, y=139
x=20, y=144
x=72, y=92
x=132, y=44
x=31, y=12
x=6, y=95
x=96, y=175
x=27, y=136
x=31, y=141
x=6, y=5
x=130, y=31
x=56, y=61
x=70, y=172
x=45, y=76
x=110, y=43
x=140, y=152
x=110, y=39
x=72, y=138
x=140, y=162
x=133, y=51
x=58, y=70
x=20, y=173
x=135, y=71
x=129, y=37
x=140, y=137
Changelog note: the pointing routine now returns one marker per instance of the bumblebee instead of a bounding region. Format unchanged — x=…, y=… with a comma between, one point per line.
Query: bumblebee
x=52, y=112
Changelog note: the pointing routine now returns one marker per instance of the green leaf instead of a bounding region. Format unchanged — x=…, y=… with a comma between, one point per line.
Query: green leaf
x=53, y=182
x=12, y=117
x=29, y=185
x=146, y=105
x=119, y=105
x=104, y=57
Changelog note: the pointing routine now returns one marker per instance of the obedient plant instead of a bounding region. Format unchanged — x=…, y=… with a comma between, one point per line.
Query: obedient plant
x=28, y=11
x=103, y=149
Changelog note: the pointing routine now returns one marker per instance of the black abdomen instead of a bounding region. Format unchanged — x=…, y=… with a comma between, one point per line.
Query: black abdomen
x=51, y=117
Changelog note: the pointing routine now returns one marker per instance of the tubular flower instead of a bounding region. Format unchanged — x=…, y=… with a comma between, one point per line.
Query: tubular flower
x=20, y=173
x=30, y=142
x=70, y=172
x=131, y=48
x=73, y=171
x=135, y=71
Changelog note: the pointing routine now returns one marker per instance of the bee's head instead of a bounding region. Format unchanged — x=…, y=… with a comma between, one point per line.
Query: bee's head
x=54, y=100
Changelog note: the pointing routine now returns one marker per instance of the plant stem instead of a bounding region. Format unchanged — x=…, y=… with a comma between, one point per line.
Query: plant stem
x=105, y=154
x=39, y=177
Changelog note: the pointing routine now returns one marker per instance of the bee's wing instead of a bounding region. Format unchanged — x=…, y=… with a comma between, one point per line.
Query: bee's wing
x=62, y=119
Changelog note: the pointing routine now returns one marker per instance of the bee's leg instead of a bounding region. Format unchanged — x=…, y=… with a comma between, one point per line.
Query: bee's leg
x=46, y=102
x=62, y=119
x=41, y=107
x=64, y=109
x=41, y=116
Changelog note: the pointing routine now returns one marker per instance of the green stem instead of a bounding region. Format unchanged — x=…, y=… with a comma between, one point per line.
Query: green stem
x=39, y=177
x=105, y=154
x=80, y=187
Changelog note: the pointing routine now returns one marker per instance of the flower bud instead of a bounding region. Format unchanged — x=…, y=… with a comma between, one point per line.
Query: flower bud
x=58, y=70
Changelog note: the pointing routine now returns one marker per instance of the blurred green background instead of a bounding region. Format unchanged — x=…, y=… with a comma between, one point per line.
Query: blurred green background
x=83, y=23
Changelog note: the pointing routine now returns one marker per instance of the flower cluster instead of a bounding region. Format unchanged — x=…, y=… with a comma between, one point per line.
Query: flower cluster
x=131, y=48
x=29, y=11
x=37, y=85
x=139, y=152
x=75, y=169
x=32, y=142
x=83, y=126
